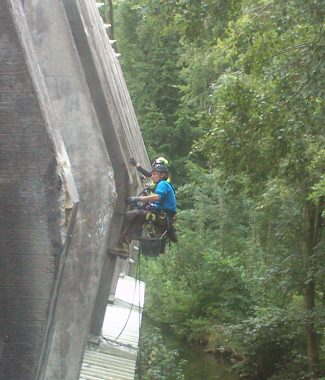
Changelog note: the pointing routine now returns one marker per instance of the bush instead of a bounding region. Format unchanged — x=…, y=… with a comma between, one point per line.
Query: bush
x=155, y=361
x=269, y=346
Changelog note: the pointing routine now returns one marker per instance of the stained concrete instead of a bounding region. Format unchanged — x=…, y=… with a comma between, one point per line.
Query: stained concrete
x=38, y=203
x=68, y=126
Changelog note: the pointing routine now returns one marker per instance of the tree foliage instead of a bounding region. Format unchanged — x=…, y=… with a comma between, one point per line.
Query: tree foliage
x=233, y=93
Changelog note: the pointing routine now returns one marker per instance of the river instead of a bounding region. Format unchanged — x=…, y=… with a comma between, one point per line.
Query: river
x=200, y=365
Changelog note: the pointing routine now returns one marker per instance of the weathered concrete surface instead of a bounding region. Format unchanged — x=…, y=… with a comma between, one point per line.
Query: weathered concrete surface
x=77, y=120
x=117, y=119
x=38, y=204
x=84, y=93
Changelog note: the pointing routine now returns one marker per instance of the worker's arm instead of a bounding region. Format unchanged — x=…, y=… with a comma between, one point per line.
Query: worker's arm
x=149, y=198
x=143, y=171
x=144, y=198
x=140, y=169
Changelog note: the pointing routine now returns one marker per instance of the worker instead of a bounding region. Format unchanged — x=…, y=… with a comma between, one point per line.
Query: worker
x=149, y=187
x=162, y=204
x=142, y=170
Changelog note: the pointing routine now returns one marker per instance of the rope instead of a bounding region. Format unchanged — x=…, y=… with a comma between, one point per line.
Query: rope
x=137, y=280
x=139, y=351
x=131, y=308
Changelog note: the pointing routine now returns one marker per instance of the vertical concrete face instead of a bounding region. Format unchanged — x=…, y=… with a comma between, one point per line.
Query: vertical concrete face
x=76, y=118
x=117, y=120
x=34, y=221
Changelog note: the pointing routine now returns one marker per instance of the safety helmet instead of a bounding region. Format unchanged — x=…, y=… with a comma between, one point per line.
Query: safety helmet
x=160, y=161
x=160, y=169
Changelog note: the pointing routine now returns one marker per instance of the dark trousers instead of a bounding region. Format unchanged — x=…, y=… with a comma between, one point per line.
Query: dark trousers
x=134, y=221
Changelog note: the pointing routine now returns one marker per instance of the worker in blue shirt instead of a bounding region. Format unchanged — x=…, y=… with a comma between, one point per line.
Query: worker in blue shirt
x=150, y=186
x=158, y=161
x=162, y=203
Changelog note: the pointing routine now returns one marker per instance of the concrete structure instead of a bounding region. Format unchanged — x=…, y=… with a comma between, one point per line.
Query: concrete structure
x=67, y=126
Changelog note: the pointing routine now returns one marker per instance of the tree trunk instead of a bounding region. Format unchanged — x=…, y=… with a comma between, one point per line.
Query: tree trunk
x=311, y=235
x=311, y=334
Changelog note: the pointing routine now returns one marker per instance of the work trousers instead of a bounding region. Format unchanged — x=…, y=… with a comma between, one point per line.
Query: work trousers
x=134, y=221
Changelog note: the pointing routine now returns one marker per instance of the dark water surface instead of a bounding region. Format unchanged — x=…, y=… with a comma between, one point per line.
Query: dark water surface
x=200, y=365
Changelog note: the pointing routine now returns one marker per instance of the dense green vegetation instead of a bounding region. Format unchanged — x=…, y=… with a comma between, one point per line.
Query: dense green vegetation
x=233, y=93
x=155, y=361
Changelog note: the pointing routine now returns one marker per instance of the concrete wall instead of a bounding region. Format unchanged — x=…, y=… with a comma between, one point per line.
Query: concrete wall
x=67, y=128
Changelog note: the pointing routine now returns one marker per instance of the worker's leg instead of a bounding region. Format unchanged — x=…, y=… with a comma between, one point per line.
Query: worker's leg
x=134, y=220
x=166, y=224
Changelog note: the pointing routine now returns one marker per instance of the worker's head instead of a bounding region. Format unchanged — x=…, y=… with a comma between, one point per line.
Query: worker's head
x=159, y=172
x=160, y=161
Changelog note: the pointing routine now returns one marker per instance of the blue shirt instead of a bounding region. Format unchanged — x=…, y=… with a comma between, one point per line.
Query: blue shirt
x=167, y=196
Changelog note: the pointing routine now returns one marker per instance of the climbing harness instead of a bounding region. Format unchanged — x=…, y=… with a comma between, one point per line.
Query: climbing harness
x=158, y=230
x=159, y=226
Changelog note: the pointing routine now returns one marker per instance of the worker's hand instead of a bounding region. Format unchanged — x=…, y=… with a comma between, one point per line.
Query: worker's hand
x=132, y=161
x=133, y=199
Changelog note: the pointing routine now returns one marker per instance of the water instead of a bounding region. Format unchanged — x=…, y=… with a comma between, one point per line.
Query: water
x=200, y=364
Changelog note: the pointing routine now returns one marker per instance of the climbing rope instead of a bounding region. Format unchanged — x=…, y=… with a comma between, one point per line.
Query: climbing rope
x=134, y=292
x=139, y=324
x=136, y=282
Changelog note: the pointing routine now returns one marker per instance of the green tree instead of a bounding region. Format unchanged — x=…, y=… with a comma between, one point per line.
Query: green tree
x=269, y=114
x=238, y=89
